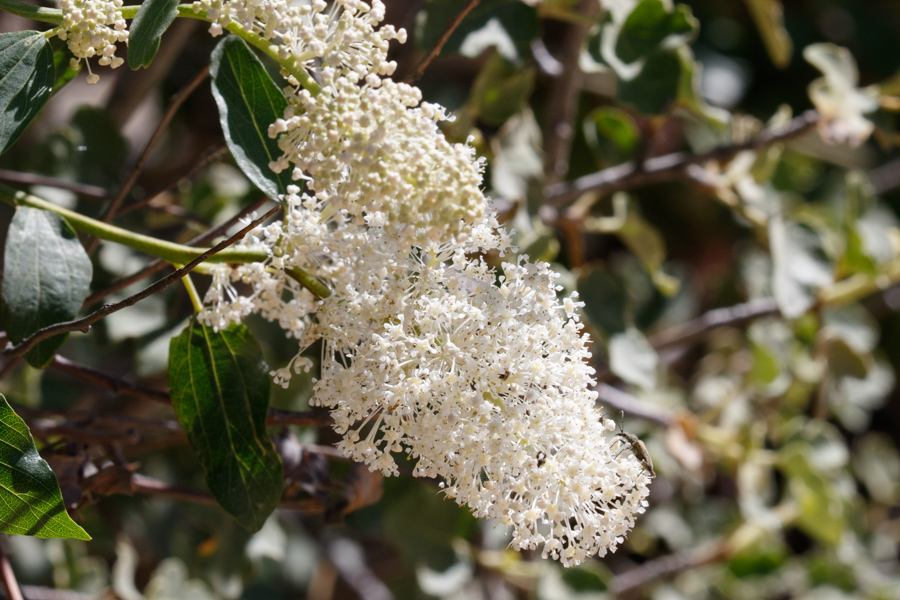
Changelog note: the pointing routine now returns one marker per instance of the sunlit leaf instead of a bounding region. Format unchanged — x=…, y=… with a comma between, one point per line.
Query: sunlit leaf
x=30, y=500
x=27, y=74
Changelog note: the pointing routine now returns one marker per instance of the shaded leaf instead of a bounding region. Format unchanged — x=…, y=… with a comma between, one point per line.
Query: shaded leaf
x=605, y=301
x=501, y=90
x=632, y=358
x=27, y=74
x=249, y=101
x=611, y=134
x=145, y=31
x=30, y=501
x=46, y=276
x=651, y=27
x=220, y=391
x=62, y=57
x=647, y=244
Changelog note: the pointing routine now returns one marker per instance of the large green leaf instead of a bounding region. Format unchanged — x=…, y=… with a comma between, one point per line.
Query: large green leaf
x=26, y=79
x=151, y=21
x=248, y=101
x=46, y=276
x=30, y=500
x=220, y=390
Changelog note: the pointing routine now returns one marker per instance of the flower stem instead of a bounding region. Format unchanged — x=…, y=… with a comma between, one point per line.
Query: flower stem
x=168, y=251
x=192, y=292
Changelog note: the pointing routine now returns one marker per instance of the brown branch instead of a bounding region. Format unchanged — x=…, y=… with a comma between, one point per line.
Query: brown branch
x=157, y=265
x=630, y=581
x=9, y=577
x=109, y=382
x=176, y=102
x=80, y=189
x=696, y=329
x=141, y=484
x=564, y=95
x=690, y=332
x=277, y=417
x=419, y=69
x=35, y=592
x=671, y=166
x=84, y=324
x=208, y=156
x=617, y=399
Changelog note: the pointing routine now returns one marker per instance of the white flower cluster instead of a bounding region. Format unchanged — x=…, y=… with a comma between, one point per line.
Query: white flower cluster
x=92, y=28
x=480, y=376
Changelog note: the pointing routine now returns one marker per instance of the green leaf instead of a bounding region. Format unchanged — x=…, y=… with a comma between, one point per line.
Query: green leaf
x=46, y=277
x=501, y=90
x=151, y=21
x=654, y=88
x=605, y=301
x=30, y=500
x=26, y=79
x=63, y=71
x=611, y=134
x=249, y=101
x=220, y=390
x=652, y=27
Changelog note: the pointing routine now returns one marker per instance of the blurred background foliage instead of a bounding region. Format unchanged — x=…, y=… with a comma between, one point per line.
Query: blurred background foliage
x=774, y=433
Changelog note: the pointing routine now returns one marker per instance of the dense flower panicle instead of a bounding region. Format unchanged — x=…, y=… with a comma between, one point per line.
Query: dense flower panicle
x=486, y=387
x=92, y=28
x=481, y=377
x=375, y=148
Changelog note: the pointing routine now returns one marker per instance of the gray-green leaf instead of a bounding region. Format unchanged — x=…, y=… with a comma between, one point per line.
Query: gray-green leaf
x=151, y=21
x=632, y=358
x=46, y=276
x=220, y=390
x=249, y=101
x=30, y=500
x=26, y=79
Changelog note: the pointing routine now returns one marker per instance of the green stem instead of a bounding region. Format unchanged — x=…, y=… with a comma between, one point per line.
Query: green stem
x=859, y=286
x=192, y=292
x=168, y=251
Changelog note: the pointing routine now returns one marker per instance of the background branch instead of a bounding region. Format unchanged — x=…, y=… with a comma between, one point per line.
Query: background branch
x=671, y=166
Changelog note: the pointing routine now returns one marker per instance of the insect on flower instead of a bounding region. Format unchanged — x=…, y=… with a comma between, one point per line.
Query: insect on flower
x=637, y=447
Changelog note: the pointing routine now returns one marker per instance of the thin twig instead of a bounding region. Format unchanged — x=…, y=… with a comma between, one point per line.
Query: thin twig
x=9, y=577
x=84, y=324
x=109, y=382
x=277, y=417
x=671, y=166
x=141, y=484
x=80, y=189
x=432, y=54
x=630, y=581
x=616, y=399
x=157, y=265
x=208, y=156
x=176, y=102
x=691, y=331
